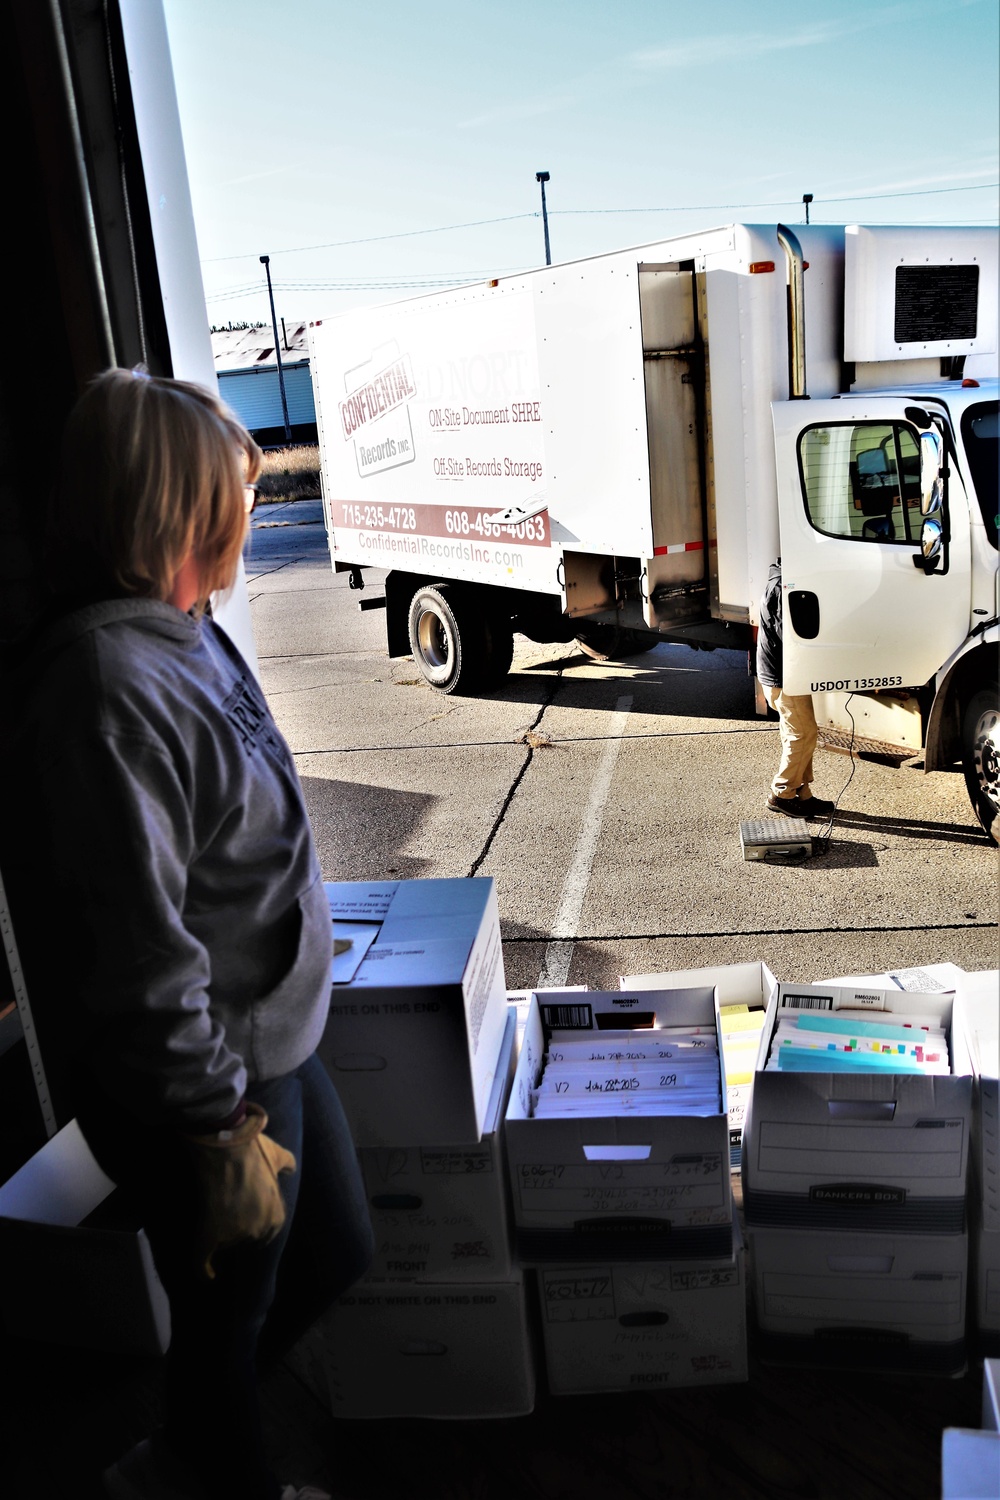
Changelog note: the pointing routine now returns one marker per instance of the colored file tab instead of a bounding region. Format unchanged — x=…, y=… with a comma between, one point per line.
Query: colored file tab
x=809, y=1060
x=837, y=1025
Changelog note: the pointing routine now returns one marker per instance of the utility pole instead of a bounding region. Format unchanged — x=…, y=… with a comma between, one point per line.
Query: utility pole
x=265, y=261
x=807, y=198
x=543, y=178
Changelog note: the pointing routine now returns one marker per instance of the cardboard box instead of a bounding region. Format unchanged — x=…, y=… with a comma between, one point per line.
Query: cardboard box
x=447, y=1350
x=414, y=1035
x=970, y=1464
x=866, y=1150
x=737, y=984
x=981, y=1012
x=928, y=979
x=441, y=1213
x=638, y=1326
x=970, y=1458
x=833, y=1298
x=991, y=1394
x=89, y=1287
x=616, y=1187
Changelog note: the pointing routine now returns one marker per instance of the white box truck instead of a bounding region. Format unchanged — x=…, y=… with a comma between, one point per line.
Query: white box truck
x=616, y=449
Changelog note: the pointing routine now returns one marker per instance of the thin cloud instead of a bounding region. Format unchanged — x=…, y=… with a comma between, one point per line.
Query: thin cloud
x=709, y=49
x=530, y=109
x=699, y=51
x=912, y=184
x=702, y=51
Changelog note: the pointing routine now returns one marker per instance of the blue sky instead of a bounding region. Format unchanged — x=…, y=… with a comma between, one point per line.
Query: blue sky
x=346, y=140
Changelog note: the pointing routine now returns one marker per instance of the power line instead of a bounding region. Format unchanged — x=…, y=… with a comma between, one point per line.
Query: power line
x=680, y=208
x=850, y=198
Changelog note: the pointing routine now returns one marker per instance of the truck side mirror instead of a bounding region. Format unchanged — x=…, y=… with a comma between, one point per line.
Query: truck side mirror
x=931, y=544
x=931, y=474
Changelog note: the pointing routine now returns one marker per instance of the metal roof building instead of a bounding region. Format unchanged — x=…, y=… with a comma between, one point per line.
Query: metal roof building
x=247, y=368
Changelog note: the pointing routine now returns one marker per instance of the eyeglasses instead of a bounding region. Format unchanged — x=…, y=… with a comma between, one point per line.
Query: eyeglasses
x=249, y=497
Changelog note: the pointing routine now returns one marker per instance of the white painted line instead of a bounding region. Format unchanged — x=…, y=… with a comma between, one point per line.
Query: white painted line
x=555, y=967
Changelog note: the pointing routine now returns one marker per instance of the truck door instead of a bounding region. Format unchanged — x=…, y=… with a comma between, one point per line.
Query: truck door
x=861, y=611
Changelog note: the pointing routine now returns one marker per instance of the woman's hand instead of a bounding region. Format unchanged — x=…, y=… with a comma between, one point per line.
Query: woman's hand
x=238, y=1173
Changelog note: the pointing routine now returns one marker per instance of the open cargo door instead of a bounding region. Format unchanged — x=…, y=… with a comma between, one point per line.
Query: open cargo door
x=674, y=373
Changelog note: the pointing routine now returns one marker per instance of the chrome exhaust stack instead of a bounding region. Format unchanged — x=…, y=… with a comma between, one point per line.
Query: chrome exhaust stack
x=796, y=315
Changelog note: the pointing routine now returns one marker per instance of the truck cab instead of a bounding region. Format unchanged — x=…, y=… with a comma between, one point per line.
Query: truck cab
x=896, y=491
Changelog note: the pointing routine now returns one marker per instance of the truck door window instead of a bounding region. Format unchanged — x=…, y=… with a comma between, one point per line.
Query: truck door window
x=861, y=480
x=979, y=433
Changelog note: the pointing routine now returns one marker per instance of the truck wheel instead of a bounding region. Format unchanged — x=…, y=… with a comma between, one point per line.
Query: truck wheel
x=460, y=645
x=612, y=642
x=981, y=758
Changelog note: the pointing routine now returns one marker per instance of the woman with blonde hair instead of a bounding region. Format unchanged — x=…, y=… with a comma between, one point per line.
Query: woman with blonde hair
x=162, y=834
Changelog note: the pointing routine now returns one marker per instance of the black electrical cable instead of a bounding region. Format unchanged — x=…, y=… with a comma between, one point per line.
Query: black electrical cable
x=821, y=841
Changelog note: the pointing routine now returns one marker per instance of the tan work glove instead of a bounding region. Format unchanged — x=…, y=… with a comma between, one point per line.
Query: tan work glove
x=238, y=1174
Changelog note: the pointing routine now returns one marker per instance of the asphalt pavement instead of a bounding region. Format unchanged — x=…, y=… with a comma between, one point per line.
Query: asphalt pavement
x=604, y=798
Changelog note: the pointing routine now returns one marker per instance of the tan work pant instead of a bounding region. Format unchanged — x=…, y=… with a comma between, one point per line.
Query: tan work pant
x=797, y=727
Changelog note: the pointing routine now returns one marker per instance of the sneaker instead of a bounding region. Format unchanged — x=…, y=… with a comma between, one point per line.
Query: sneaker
x=815, y=808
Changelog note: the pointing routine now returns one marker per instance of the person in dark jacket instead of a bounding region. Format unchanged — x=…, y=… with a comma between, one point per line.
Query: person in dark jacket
x=173, y=923
x=791, y=790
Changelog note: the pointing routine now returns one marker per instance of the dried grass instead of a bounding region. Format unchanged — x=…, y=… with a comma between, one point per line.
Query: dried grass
x=289, y=474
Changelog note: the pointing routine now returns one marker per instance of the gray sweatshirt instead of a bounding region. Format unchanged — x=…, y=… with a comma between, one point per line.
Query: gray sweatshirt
x=769, y=646
x=176, y=934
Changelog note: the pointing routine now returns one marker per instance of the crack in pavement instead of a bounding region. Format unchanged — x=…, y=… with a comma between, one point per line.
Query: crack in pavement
x=512, y=791
x=740, y=932
x=571, y=739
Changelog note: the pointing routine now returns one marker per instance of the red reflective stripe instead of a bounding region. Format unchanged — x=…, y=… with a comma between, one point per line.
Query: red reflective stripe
x=678, y=547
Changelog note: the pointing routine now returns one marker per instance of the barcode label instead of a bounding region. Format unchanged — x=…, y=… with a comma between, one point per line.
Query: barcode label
x=806, y=1002
x=567, y=1017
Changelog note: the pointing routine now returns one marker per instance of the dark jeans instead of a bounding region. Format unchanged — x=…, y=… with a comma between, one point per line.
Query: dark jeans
x=263, y=1296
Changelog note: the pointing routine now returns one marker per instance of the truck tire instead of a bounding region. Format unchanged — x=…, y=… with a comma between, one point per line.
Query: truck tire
x=612, y=642
x=460, y=645
x=981, y=757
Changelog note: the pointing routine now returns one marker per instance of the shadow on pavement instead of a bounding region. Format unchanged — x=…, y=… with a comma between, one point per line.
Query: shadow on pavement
x=359, y=829
x=911, y=828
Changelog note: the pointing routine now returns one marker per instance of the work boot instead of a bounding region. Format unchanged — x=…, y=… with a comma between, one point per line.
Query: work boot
x=789, y=807
x=814, y=808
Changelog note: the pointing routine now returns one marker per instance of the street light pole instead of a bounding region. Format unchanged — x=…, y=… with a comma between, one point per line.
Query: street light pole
x=265, y=261
x=807, y=198
x=543, y=178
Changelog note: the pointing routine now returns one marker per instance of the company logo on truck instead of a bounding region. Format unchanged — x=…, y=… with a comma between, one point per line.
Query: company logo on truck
x=375, y=413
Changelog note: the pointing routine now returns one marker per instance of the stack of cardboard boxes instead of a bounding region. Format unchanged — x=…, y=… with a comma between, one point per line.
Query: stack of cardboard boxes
x=854, y=1194
x=863, y=1242
x=981, y=1013
x=626, y=1218
x=420, y=1043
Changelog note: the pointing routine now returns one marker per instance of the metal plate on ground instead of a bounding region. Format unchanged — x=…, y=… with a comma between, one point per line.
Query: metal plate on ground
x=776, y=839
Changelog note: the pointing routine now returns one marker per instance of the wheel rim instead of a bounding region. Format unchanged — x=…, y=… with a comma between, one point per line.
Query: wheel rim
x=434, y=642
x=986, y=754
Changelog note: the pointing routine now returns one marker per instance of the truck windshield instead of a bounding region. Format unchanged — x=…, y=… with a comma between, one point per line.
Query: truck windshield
x=979, y=433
